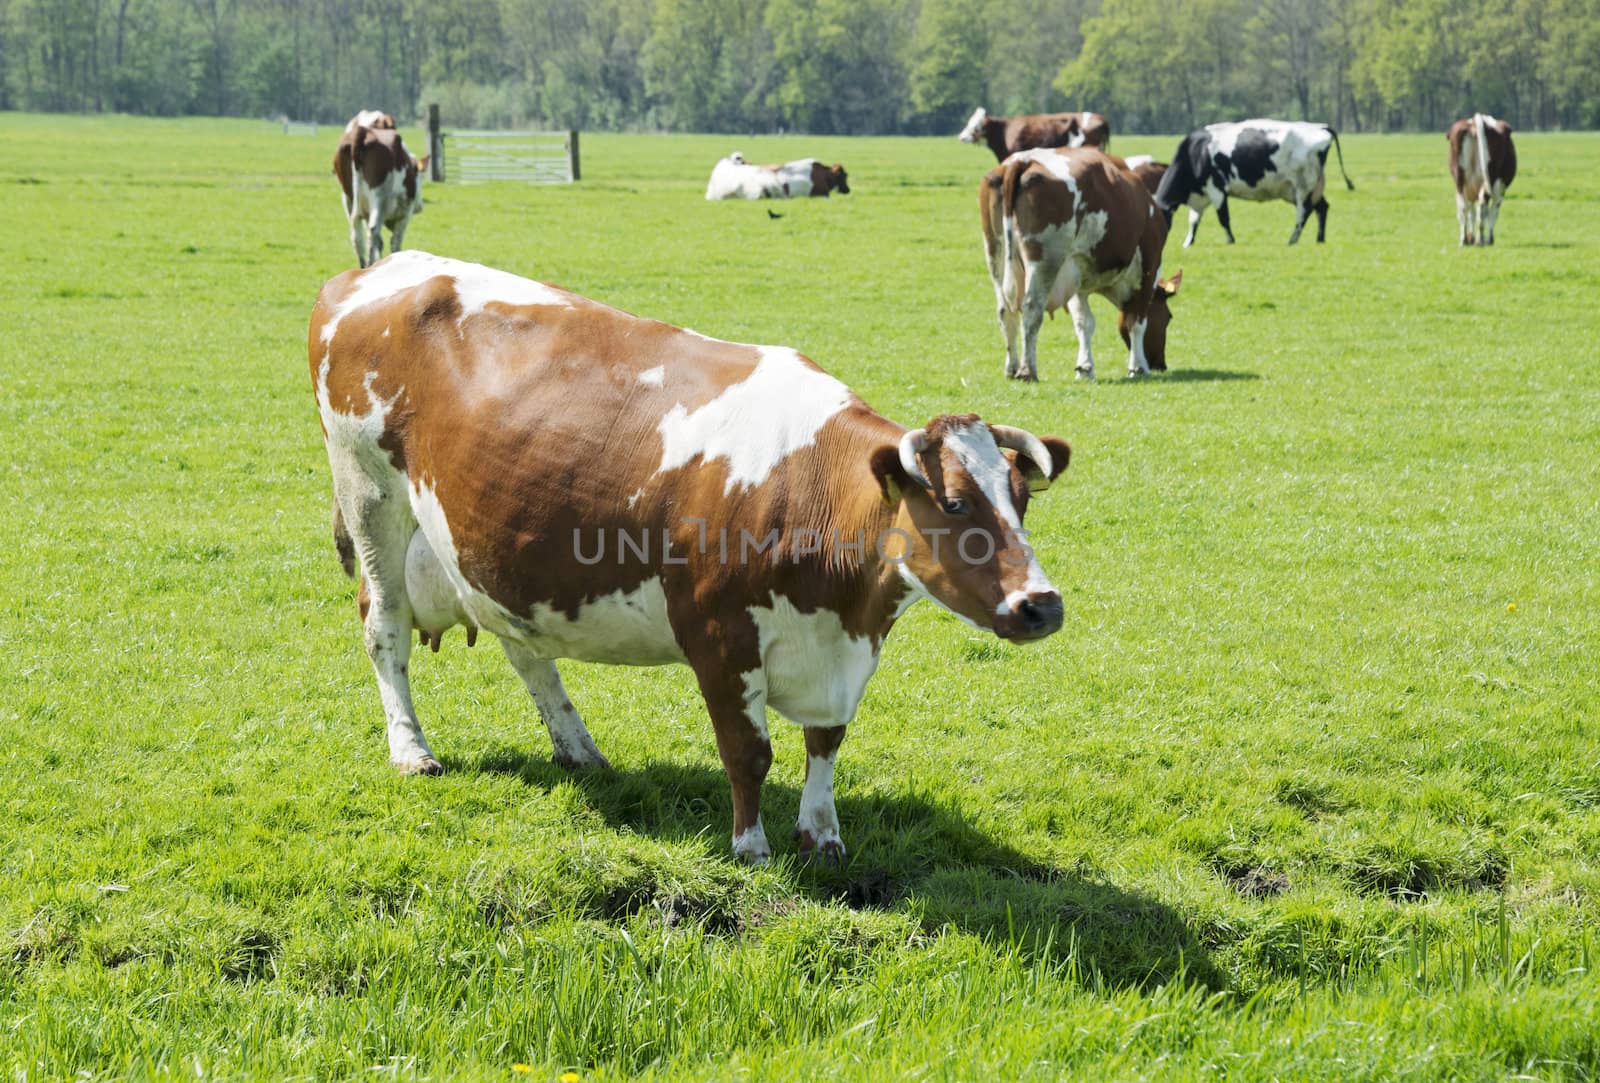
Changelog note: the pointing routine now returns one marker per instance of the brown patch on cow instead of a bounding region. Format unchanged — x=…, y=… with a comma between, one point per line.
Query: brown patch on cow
x=826, y=179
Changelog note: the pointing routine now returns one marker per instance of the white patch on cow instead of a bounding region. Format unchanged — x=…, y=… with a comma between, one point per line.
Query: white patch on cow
x=435, y=604
x=734, y=178
x=974, y=446
x=385, y=332
x=756, y=423
x=816, y=671
x=477, y=286
x=634, y=498
x=401, y=271
x=796, y=176
x=1138, y=160
x=655, y=377
x=975, y=123
x=622, y=627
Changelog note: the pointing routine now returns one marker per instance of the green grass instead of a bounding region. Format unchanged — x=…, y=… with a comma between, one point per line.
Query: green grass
x=1308, y=787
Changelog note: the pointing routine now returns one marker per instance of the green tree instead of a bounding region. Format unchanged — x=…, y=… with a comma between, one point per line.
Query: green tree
x=948, y=73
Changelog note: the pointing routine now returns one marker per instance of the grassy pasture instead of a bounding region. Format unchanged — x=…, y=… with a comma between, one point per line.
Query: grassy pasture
x=1308, y=787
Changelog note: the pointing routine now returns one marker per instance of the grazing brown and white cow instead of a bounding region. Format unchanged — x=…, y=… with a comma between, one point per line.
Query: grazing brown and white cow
x=1061, y=224
x=587, y=484
x=1147, y=169
x=1483, y=163
x=1008, y=135
x=381, y=185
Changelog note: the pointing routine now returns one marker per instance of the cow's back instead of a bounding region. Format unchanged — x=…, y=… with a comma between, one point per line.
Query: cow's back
x=527, y=417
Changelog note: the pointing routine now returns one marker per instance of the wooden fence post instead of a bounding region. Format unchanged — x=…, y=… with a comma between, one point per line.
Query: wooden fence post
x=435, y=145
x=572, y=152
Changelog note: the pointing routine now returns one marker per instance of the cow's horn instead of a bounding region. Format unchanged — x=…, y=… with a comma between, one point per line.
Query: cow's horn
x=912, y=444
x=1029, y=445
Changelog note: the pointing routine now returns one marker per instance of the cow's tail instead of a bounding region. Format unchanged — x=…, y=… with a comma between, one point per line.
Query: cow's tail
x=1009, y=180
x=342, y=543
x=1478, y=121
x=1348, y=183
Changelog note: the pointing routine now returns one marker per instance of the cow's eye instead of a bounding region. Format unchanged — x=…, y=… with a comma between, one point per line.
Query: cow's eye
x=953, y=505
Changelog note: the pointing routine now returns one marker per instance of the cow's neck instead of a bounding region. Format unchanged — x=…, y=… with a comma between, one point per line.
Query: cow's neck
x=994, y=131
x=869, y=590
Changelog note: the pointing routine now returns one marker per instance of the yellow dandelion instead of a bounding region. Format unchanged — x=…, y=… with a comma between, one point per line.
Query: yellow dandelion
x=1511, y=607
x=569, y=1077
x=522, y=1067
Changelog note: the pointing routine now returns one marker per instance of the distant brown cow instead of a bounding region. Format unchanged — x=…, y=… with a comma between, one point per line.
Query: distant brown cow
x=1059, y=224
x=381, y=184
x=1007, y=135
x=1483, y=163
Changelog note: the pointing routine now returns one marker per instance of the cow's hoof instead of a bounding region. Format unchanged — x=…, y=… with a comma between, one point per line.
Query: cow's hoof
x=585, y=762
x=422, y=765
x=751, y=846
x=829, y=850
x=1083, y=374
x=1027, y=376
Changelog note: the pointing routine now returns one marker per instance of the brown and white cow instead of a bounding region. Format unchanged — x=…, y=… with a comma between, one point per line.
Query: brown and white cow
x=735, y=178
x=1147, y=169
x=1483, y=163
x=1008, y=135
x=587, y=484
x=370, y=118
x=380, y=184
x=1061, y=224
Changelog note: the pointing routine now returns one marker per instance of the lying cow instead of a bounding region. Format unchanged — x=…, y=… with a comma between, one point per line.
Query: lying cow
x=1061, y=224
x=1006, y=136
x=587, y=484
x=1483, y=163
x=381, y=186
x=1255, y=160
x=735, y=178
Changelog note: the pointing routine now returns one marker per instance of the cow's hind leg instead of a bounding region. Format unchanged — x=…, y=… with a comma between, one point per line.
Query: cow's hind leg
x=377, y=515
x=818, y=825
x=1321, y=207
x=1083, y=326
x=1224, y=219
x=1302, y=211
x=572, y=746
x=1464, y=218
x=1035, y=302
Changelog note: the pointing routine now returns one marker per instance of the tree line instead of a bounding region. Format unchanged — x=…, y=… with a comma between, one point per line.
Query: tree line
x=824, y=66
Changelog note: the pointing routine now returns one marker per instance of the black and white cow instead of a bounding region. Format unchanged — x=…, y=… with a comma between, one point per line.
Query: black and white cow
x=1255, y=160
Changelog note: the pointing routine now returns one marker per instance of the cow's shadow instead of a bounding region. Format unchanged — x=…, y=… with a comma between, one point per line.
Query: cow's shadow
x=910, y=852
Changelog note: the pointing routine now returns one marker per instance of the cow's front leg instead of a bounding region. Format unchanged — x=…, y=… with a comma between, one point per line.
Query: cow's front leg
x=396, y=234
x=737, y=703
x=1224, y=219
x=1083, y=326
x=571, y=745
x=1195, y=214
x=1138, y=364
x=818, y=825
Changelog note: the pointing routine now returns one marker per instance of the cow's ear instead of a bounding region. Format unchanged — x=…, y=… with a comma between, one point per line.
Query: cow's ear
x=1170, y=286
x=892, y=478
x=422, y=163
x=1060, y=455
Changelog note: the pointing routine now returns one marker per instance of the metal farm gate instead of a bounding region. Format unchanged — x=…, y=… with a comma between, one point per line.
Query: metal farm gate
x=533, y=157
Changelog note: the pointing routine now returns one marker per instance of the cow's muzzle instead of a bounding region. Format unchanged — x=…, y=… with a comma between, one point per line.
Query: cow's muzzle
x=1032, y=617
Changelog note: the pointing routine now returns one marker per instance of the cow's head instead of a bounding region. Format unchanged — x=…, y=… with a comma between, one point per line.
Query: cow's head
x=1157, y=317
x=973, y=132
x=837, y=180
x=961, y=488
x=413, y=181
x=1182, y=180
